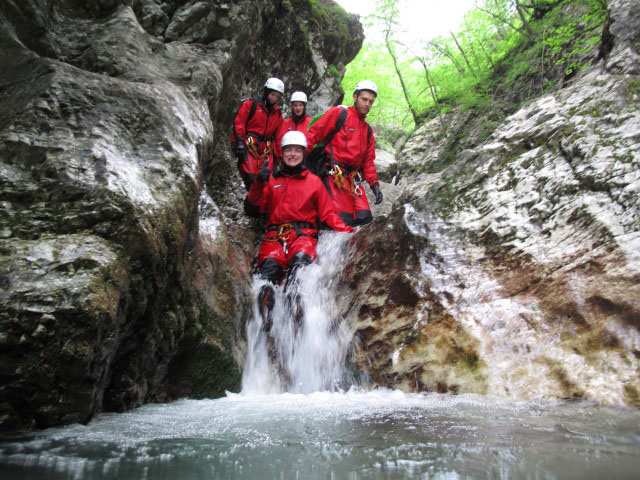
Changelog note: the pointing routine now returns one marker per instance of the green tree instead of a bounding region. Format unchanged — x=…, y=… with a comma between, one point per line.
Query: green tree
x=500, y=45
x=387, y=15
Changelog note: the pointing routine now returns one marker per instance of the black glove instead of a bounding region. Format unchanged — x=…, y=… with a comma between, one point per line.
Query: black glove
x=263, y=174
x=377, y=192
x=240, y=151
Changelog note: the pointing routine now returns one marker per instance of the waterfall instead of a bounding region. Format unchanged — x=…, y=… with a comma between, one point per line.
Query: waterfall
x=312, y=357
x=294, y=419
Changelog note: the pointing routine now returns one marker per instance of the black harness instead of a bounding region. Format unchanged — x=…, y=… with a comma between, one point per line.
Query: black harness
x=296, y=226
x=258, y=137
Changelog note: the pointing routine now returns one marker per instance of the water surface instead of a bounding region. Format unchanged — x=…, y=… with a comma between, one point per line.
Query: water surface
x=380, y=434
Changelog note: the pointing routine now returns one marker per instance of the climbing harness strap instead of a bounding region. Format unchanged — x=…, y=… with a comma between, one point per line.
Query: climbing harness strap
x=252, y=148
x=258, y=137
x=285, y=228
x=283, y=232
x=347, y=178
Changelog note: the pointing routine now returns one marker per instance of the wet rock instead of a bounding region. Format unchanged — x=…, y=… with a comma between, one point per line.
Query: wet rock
x=622, y=40
x=518, y=257
x=385, y=165
x=64, y=301
x=126, y=259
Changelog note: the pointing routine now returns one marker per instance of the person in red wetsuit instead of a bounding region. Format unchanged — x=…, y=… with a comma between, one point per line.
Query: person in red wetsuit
x=295, y=201
x=350, y=155
x=299, y=120
x=255, y=128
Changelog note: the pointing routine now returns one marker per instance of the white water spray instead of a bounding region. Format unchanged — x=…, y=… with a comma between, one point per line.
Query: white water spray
x=312, y=357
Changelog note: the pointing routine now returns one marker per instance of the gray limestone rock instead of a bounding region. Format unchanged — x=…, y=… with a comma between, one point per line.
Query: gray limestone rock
x=126, y=261
x=513, y=269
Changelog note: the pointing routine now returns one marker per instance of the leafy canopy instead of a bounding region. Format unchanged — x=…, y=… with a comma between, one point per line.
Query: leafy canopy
x=500, y=45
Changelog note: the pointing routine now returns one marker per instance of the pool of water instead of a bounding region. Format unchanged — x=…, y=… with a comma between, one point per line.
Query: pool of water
x=379, y=434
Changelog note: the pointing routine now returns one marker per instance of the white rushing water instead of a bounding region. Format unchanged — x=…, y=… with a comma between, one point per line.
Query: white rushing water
x=310, y=358
x=381, y=434
x=309, y=424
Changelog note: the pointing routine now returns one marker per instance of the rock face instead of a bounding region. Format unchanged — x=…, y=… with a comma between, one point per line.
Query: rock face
x=125, y=264
x=515, y=271
x=125, y=267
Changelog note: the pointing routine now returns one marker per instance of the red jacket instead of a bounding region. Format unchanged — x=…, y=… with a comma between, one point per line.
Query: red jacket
x=263, y=122
x=297, y=198
x=289, y=125
x=353, y=145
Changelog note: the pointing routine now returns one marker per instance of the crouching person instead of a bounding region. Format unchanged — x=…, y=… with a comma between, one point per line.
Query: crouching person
x=294, y=200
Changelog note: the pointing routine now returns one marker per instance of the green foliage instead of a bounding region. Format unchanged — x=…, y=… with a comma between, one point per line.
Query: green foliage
x=390, y=107
x=493, y=62
x=570, y=40
x=332, y=20
x=333, y=71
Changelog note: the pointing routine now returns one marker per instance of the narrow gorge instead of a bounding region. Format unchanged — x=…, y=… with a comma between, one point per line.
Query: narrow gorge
x=126, y=258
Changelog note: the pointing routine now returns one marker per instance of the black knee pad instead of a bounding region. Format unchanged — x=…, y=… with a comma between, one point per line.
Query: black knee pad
x=270, y=270
x=363, y=217
x=300, y=259
x=347, y=218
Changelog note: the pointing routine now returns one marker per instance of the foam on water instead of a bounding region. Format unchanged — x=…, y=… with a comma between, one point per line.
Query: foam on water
x=307, y=424
x=352, y=434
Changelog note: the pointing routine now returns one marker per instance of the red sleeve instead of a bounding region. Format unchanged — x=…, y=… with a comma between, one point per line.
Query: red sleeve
x=258, y=195
x=323, y=127
x=305, y=124
x=241, y=119
x=369, y=167
x=327, y=210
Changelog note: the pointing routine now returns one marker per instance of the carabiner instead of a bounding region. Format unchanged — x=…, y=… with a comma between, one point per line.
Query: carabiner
x=357, y=181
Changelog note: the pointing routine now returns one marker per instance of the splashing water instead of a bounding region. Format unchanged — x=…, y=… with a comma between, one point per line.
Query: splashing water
x=320, y=429
x=309, y=358
x=376, y=435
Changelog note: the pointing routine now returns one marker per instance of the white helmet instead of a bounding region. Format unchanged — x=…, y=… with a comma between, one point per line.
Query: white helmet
x=366, y=85
x=294, y=138
x=276, y=84
x=299, y=97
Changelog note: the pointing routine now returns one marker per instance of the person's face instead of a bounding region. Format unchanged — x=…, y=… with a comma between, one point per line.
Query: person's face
x=274, y=97
x=297, y=108
x=292, y=155
x=363, y=101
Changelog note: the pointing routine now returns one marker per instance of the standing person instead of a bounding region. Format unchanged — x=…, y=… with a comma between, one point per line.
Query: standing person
x=299, y=120
x=254, y=130
x=349, y=154
x=295, y=201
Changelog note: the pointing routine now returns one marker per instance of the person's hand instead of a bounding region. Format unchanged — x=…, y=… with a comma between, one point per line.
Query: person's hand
x=378, y=193
x=263, y=174
x=240, y=151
